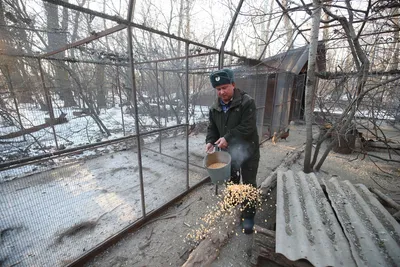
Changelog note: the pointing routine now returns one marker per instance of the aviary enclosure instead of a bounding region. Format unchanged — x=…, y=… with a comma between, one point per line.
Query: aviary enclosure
x=102, y=103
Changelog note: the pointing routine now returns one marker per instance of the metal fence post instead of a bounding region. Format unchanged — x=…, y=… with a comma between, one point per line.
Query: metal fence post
x=158, y=109
x=187, y=114
x=48, y=102
x=139, y=149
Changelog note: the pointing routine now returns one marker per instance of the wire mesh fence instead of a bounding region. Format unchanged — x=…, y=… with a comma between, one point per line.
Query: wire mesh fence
x=93, y=138
x=72, y=171
x=79, y=179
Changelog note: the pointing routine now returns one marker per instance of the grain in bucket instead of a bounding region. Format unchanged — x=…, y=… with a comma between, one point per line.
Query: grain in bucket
x=218, y=165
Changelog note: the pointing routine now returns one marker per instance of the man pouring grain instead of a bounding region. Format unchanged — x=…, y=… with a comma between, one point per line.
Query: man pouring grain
x=232, y=127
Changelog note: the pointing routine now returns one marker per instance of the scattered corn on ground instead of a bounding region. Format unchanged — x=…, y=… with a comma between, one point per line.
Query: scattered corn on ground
x=232, y=198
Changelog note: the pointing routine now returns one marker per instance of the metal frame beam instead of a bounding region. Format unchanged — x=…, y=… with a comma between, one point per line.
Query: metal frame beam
x=222, y=48
x=71, y=151
x=72, y=60
x=86, y=40
x=120, y=20
x=136, y=110
x=285, y=12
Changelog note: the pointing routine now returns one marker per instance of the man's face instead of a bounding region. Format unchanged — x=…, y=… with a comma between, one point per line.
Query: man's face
x=225, y=91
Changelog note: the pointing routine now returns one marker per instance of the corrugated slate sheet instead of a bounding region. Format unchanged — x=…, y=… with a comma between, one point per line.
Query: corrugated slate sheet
x=362, y=234
x=374, y=235
x=306, y=227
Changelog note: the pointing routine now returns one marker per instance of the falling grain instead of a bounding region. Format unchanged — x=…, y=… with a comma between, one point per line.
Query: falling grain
x=234, y=196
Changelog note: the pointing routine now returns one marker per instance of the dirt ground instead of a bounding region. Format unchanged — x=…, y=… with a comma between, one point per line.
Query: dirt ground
x=161, y=242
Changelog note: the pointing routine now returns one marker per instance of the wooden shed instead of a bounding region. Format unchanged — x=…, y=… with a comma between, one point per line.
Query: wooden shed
x=278, y=85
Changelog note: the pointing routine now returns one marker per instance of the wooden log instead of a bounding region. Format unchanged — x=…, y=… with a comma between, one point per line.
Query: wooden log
x=264, y=247
x=208, y=249
x=270, y=181
x=381, y=145
x=397, y=216
x=61, y=119
x=292, y=158
x=390, y=202
x=82, y=112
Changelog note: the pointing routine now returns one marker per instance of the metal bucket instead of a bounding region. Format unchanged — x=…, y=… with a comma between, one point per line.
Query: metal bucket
x=220, y=175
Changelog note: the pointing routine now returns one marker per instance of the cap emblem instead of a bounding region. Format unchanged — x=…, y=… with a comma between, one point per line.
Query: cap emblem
x=217, y=78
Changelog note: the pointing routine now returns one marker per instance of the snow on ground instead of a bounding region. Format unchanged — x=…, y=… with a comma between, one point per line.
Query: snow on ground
x=78, y=131
x=363, y=114
x=54, y=216
x=54, y=211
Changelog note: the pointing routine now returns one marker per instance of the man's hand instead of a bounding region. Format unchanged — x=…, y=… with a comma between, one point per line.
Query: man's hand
x=221, y=143
x=209, y=148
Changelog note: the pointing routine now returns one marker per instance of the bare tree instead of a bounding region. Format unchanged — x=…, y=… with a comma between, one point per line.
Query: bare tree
x=57, y=37
x=311, y=83
x=357, y=81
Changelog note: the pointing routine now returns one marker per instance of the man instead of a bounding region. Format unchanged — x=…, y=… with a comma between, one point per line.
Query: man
x=232, y=127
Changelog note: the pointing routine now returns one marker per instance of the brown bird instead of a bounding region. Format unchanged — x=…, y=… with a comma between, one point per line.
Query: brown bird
x=274, y=138
x=327, y=125
x=192, y=128
x=284, y=135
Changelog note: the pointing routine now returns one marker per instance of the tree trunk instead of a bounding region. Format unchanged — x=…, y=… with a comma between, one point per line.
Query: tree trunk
x=180, y=26
x=288, y=26
x=75, y=27
x=100, y=89
x=326, y=17
x=268, y=25
x=311, y=84
x=396, y=47
x=56, y=40
x=362, y=63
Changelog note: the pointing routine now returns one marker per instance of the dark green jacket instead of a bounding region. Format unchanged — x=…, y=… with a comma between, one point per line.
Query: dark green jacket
x=237, y=125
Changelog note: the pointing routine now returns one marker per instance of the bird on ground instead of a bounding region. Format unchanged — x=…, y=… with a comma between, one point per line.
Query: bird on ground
x=327, y=125
x=284, y=135
x=192, y=128
x=274, y=138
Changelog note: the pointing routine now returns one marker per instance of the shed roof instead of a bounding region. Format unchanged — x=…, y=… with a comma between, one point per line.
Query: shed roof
x=295, y=60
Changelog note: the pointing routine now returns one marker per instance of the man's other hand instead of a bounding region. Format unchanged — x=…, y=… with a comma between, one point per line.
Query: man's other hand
x=209, y=148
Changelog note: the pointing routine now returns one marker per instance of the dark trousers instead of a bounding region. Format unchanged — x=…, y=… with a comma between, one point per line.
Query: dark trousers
x=247, y=169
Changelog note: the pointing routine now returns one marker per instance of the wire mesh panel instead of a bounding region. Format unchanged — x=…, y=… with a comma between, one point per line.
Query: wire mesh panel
x=255, y=84
x=297, y=105
x=282, y=99
x=51, y=216
x=79, y=181
x=98, y=129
